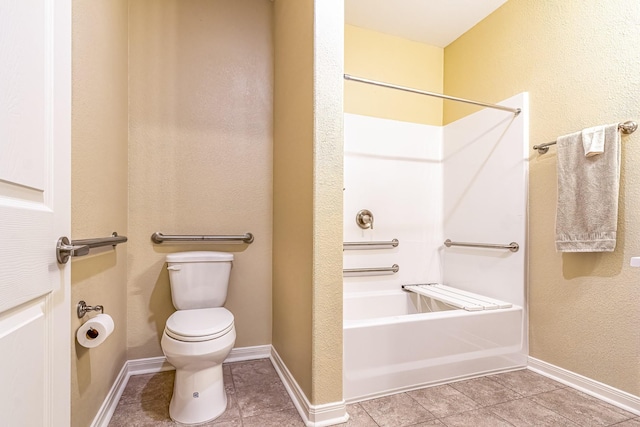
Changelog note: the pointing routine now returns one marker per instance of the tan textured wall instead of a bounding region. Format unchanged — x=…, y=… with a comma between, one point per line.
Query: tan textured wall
x=200, y=154
x=378, y=56
x=327, y=201
x=98, y=192
x=293, y=156
x=307, y=200
x=579, y=62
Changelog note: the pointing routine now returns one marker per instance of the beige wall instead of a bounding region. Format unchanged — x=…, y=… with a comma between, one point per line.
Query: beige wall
x=200, y=154
x=293, y=187
x=200, y=161
x=99, y=192
x=579, y=62
x=307, y=199
x=327, y=201
x=396, y=60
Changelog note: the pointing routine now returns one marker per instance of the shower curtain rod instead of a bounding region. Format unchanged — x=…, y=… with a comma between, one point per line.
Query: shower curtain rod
x=515, y=111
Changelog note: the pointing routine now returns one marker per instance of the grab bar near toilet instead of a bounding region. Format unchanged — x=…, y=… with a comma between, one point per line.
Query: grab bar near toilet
x=66, y=248
x=158, y=238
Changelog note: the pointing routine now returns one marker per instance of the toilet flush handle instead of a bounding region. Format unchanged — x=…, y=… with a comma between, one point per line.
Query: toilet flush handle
x=174, y=267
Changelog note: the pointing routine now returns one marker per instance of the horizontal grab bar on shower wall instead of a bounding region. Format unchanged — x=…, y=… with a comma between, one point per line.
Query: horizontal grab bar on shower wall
x=355, y=245
x=513, y=246
x=158, y=237
x=393, y=269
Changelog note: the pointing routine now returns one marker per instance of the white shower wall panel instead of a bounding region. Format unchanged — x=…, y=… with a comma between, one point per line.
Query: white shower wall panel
x=485, y=158
x=393, y=169
x=466, y=181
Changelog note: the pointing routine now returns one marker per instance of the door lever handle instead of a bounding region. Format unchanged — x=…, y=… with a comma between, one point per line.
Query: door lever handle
x=65, y=250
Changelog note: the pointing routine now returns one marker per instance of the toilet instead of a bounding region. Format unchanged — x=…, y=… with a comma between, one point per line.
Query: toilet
x=199, y=336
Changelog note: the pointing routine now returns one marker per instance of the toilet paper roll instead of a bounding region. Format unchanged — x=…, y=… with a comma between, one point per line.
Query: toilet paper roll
x=94, y=331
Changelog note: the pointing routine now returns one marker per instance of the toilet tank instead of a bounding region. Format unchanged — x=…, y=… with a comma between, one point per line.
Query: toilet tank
x=199, y=279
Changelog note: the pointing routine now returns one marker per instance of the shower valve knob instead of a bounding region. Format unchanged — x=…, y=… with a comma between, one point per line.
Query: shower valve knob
x=364, y=219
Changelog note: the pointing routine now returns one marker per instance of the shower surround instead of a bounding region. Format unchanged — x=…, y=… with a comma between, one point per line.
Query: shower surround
x=466, y=181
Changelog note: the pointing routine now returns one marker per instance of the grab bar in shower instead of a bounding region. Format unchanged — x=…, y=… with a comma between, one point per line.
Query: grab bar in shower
x=355, y=245
x=513, y=246
x=158, y=237
x=393, y=269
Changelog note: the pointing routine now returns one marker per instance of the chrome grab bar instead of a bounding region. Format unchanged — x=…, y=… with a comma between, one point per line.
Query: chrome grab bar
x=513, y=246
x=158, y=237
x=393, y=269
x=65, y=249
x=349, y=245
x=113, y=240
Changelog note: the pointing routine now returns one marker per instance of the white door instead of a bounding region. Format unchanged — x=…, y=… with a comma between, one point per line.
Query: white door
x=35, y=308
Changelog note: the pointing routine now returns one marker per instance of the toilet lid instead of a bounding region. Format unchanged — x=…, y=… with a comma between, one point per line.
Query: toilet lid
x=200, y=324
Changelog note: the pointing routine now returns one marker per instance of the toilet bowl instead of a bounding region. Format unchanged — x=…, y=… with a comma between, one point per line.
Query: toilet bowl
x=199, y=336
x=198, y=390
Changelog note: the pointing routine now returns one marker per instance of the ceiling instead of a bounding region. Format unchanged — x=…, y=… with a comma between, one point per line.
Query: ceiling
x=435, y=22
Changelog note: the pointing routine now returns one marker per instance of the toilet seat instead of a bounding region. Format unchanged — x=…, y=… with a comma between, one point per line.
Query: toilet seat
x=203, y=324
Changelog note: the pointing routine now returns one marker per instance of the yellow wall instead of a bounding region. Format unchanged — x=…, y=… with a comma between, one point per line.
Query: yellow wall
x=307, y=198
x=99, y=193
x=377, y=56
x=579, y=62
x=200, y=154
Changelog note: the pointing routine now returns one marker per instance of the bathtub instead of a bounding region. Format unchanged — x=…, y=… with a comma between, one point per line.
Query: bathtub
x=396, y=340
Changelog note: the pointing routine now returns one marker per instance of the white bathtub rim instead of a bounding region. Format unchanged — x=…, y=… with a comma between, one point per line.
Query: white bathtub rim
x=416, y=317
x=375, y=293
x=405, y=317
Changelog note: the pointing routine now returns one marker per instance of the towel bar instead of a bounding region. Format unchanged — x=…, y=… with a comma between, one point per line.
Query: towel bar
x=626, y=128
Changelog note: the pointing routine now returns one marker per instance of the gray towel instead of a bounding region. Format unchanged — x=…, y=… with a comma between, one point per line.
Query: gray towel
x=587, y=211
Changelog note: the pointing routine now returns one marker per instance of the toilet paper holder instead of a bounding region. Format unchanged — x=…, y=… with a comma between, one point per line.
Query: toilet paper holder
x=83, y=308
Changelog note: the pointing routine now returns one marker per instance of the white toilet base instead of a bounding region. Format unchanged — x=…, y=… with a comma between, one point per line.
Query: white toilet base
x=198, y=396
x=198, y=390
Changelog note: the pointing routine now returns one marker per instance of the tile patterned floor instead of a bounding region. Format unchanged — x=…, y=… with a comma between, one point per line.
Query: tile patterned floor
x=257, y=398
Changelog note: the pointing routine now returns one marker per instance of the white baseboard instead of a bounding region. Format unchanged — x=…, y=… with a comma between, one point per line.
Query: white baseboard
x=249, y=353
x=108, y=407
x=619, y=398
x=336, y=412
x=150, y=365
x=159, y=364
x=131, y=367
x=313, y=415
